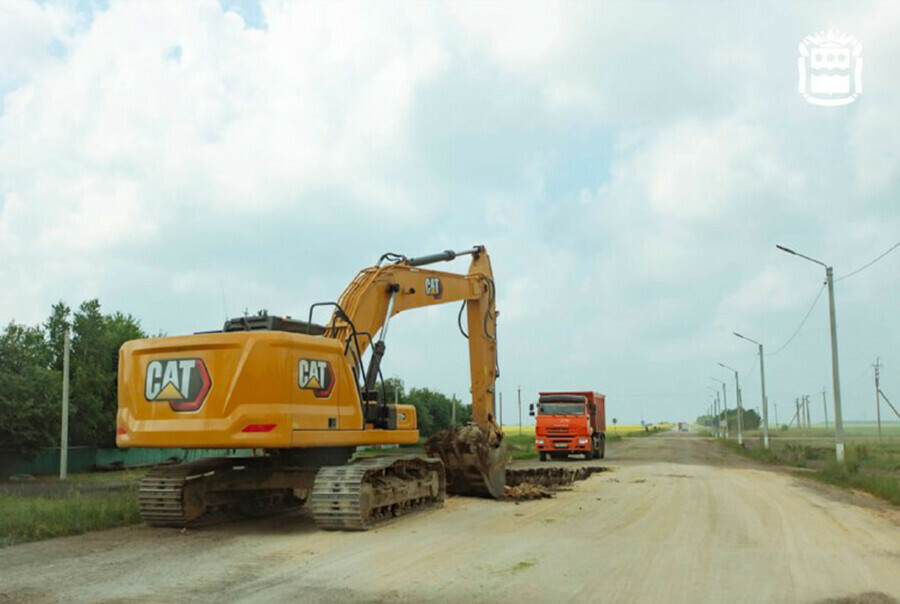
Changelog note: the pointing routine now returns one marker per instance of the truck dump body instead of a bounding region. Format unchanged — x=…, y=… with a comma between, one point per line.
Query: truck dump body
x=571, y=422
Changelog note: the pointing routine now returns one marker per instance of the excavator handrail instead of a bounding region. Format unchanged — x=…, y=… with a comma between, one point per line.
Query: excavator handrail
x=354, y=335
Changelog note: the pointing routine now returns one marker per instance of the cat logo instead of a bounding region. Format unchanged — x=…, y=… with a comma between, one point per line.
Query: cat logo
x=433, y=287
x=317, y=376
x=183, y=383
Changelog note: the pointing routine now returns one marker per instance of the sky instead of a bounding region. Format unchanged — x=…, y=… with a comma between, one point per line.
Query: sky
x=630, y=167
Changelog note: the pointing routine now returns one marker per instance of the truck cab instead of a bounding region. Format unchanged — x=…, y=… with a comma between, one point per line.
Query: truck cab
x=570, y=422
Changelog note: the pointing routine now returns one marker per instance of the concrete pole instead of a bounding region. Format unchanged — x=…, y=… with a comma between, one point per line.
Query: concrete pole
x=716, y=413
x=453, y=410
x=520, y=410
x=806, y=412
x=799, y=417
x=878, y=396
x=64, y=431
x=765, y=402
x=835, y=371
x=825, y=408
x=808, y=416
x=775, y=406
x=725, y=402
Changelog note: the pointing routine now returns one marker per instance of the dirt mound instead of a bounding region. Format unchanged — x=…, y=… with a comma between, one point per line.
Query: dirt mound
x=539, y=483
x=526, y=491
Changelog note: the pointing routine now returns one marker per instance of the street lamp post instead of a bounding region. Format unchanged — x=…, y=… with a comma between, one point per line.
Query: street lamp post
x=715, y=403
x=762, y=380
x=737, y=397
x=724, y=403
x=835, y=371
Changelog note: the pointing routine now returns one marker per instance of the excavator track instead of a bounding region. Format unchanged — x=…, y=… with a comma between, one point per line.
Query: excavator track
x=209, y=491
x=370, y=492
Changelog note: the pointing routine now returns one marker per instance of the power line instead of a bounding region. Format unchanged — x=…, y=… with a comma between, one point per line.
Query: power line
x=802, y=323
x=865, y=266
x=752, y=367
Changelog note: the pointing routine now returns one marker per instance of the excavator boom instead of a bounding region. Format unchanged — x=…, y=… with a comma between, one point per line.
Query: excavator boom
x=473, y=455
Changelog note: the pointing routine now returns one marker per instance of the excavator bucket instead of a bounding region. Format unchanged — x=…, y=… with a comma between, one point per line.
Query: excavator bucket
x=474, y=459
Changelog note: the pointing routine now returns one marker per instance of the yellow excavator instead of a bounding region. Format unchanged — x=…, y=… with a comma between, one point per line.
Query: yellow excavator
x=300, y=396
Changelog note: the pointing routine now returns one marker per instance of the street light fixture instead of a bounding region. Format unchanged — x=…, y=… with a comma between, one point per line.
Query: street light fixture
x=762, y=380
x=737, y=396
x=724, y=403
x=835, y=371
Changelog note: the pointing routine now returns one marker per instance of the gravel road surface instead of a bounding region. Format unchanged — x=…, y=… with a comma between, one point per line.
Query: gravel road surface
x=678, y=519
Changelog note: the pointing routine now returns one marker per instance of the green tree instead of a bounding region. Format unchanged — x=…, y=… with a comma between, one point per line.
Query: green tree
x=433, y=408
x=96, y=339
x=29, y=391
x=55, y=328
x=31, y=360
x=395, y=390
x=751, y=419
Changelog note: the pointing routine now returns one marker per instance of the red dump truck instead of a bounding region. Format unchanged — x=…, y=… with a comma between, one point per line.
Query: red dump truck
x=570, y=422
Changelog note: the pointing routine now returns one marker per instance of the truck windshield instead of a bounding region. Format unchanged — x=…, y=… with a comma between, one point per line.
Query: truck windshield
x=562, y=408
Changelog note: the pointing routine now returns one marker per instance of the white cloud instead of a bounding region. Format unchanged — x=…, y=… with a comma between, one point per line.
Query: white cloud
x=629, y=168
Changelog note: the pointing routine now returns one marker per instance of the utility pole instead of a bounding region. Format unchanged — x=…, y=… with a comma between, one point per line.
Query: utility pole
x=715, y=411
x=799, y=418
x=501, y=412
x=737, y=397
x=718, y=413
x=835, y=369
x=64, y=432
x=808, y=416
x=453, y=410
x=825, y=408
x=878, y=395
x=724, y=403
x=803, y=411
x=520, y=411
x=762, y=380
x=776, y=414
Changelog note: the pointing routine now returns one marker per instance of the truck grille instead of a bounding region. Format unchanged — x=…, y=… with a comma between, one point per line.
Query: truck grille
x=558, y=432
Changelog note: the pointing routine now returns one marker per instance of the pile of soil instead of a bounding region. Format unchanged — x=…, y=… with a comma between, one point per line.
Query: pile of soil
x=539, y=483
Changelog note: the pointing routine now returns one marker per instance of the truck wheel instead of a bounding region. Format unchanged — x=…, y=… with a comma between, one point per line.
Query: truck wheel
x=601, y=452
x=543, y=456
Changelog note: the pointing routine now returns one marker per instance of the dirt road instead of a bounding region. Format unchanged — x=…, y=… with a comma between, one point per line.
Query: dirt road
x=677, y=520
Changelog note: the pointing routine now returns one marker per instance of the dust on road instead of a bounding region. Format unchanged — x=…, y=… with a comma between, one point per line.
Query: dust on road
x=678, y=519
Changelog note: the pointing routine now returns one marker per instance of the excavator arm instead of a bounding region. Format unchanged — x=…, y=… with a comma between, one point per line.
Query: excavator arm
x=473, y=456
x=378, y=293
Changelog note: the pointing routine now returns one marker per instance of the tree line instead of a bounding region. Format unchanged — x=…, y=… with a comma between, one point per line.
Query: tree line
x=31, y=363
x=751, y=419
x=434, y=410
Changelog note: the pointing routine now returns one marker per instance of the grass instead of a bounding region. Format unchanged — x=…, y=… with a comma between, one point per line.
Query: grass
x=520, y=446
x=870, y=465
x=98, y=478
x=24, y=518
x=523, y=565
